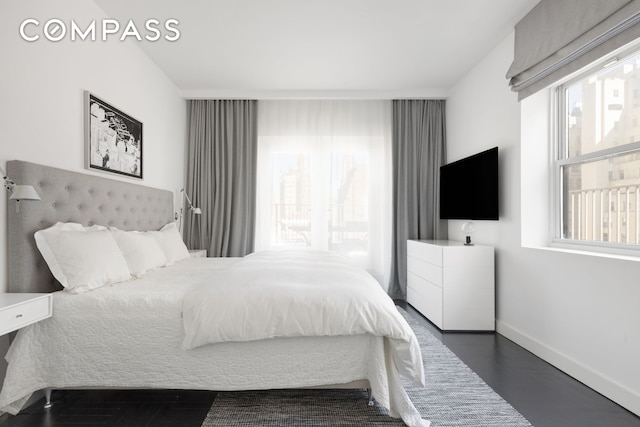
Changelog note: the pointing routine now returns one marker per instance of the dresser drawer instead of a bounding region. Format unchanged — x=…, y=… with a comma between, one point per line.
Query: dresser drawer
x=426, y=298
x=428, y=253
x=430, y=272
x=21, y=314
x=469, y=298
x=469, y=259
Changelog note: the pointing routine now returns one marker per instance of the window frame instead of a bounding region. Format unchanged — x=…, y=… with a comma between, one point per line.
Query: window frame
x=560, y=159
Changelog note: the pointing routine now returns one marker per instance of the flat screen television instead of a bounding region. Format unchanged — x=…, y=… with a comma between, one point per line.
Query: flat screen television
x=469, y=187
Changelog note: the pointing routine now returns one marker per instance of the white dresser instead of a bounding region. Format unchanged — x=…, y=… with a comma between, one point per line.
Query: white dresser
x=451, y=284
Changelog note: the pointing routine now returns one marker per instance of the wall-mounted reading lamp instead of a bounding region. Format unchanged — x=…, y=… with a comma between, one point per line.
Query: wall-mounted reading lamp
x=18, y=192
x=192, y=209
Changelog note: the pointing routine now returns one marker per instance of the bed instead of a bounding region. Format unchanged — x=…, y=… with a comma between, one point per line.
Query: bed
x=132, y=334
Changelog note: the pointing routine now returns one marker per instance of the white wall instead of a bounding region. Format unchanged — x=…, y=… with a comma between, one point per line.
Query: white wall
x=576, y=311
x=41, y=101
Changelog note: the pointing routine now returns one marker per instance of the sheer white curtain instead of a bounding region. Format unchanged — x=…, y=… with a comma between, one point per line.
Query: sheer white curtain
x=324, y=179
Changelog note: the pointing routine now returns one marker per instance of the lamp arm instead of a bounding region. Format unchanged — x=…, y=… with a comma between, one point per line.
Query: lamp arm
x=192, y=208
x=188, y=199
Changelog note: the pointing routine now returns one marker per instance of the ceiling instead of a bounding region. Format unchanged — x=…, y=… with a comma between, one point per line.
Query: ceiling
x=322, y=48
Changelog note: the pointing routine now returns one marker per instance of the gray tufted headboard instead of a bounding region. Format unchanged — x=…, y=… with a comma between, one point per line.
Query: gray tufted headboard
x=72, y=197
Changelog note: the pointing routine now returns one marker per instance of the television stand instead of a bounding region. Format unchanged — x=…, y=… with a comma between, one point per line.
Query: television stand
x=452, y=284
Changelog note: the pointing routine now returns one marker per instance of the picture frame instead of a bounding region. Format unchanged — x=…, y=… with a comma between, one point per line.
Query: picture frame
x=113, y=139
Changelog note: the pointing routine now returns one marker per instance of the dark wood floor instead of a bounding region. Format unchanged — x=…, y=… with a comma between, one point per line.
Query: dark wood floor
x=544, y=395
x=117, y=408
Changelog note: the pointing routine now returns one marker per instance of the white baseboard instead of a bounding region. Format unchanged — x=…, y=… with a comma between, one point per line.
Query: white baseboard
x=620, y=394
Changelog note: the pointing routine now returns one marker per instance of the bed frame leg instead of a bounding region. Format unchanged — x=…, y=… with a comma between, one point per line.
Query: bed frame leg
x=370, y=397
x=47, y=396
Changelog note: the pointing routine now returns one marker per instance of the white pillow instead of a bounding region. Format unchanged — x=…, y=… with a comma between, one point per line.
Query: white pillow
x=82, y=258
x=140, y=249
x=171, y=243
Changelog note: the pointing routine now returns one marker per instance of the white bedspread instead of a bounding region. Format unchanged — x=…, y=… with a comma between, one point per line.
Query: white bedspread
x=130, y=335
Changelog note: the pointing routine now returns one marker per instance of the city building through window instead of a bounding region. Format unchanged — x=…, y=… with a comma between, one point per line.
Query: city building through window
x=598, y=155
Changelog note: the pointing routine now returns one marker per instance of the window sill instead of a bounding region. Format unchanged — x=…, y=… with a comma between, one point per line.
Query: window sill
x=619, y=254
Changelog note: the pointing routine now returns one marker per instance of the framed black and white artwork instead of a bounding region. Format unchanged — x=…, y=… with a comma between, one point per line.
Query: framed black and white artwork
x=113, y=139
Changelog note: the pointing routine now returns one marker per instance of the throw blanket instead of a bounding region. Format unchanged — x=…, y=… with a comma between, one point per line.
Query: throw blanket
x=297, y=293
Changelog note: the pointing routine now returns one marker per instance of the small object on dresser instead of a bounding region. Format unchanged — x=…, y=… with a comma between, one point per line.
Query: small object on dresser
x=467, y=229
x=18, y=310
x=198, y=253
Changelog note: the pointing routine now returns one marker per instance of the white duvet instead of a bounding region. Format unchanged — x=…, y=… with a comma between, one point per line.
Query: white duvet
x=297, y=293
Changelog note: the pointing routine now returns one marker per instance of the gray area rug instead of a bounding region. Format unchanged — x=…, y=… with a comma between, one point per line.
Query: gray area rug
x=454, y=396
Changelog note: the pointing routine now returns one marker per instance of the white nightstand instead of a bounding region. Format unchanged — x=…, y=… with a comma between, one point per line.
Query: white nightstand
x=198, y=253
x=18, y=310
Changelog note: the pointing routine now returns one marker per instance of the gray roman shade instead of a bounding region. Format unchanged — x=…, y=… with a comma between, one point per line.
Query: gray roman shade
x=558, y=37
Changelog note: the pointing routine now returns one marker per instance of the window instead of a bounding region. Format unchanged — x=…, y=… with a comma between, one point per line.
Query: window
x=338, y=220
x=324, y=179
x=598, y=157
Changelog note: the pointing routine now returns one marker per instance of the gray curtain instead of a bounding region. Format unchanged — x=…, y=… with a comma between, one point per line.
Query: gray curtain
x=558, y=37
x=418, y=152
x=221, y=176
